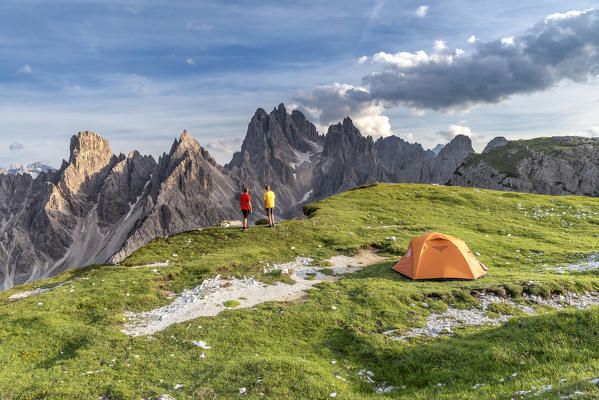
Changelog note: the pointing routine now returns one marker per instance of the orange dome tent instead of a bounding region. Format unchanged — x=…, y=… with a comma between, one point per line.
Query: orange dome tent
x=438, y=256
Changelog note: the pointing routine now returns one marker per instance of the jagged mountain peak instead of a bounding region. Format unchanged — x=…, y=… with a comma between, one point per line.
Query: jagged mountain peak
x=89, y=145
x=184, y=150
x=458, y=142
x=280, y=109
x=260, y=114
x=185, y=136
x=91, y=158
x=343, y=132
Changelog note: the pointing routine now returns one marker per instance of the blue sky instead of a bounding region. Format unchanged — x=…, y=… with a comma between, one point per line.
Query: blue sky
x=139, y=72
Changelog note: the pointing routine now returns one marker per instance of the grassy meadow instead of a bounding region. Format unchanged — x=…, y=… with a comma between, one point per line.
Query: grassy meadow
x=66, y=343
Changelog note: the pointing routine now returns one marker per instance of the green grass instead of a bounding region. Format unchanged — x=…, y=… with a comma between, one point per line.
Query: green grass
x=503, y=308
x=231, y=303
x=47, y=349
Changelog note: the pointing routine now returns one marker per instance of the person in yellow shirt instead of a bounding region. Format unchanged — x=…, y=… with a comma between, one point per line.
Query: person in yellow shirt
x=269, y=205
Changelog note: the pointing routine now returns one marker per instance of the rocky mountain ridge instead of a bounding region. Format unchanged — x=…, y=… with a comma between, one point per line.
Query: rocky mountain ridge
x=560, y=165
x=33, y=169
x=100, y=206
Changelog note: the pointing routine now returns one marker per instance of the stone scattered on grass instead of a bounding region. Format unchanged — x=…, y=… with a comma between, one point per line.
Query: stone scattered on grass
x=202, y=344
x=384, y=388
x=178, y=386
x=440, y=324
x=522, y=392
x=591, y=264
x=29, y=293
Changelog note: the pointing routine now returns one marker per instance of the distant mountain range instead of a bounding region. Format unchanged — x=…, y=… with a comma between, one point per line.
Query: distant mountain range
x=100, y=207
x=32, y=169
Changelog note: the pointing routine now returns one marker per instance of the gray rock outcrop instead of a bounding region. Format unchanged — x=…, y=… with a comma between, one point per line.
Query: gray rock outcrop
x=495, y=142
x=563, y=165
x=348, y=159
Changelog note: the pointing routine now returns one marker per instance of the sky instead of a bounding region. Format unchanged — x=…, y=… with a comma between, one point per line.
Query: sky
x=140, y=72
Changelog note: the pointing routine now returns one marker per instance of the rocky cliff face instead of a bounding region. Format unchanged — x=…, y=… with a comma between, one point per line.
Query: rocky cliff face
x=71, y=217
x=401, y=161
x=188, y=190
x=348, y=159
x=556, y=166
x=280, y=150
x=449, y=158
x=100, y=206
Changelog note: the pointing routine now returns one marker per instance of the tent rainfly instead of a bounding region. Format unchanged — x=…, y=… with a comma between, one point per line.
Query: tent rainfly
x=439, y=256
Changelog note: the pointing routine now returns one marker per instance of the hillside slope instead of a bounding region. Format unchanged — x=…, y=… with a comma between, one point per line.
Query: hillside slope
x=66, y=342
x=561, y=165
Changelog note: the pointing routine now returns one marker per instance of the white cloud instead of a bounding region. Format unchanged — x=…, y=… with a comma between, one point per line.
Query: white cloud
x=25, y=69
x=566, y=15
x=592, y=131
x=408, y=136
x=328, y=104
x=478, y=141
x=371, y=122
x=400, y=60
x=454, y=130
x=190, y=61
x=421, y=11
x=222, y=149
x=471, y=39
x=16, y=146
x=439, y=46
x=507, y=41
x=406, y=60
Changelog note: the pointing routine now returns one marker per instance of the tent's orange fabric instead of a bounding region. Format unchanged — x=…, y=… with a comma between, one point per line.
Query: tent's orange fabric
x=438, y=256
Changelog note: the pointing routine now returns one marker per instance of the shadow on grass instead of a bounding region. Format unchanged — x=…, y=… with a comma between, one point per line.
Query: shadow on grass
x=69, y=350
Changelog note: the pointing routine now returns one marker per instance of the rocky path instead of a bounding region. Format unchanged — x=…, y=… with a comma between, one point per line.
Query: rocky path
x=441, y=324
x=207, y=299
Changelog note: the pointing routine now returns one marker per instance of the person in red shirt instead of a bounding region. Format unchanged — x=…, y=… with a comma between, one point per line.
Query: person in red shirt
x=246, y=207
